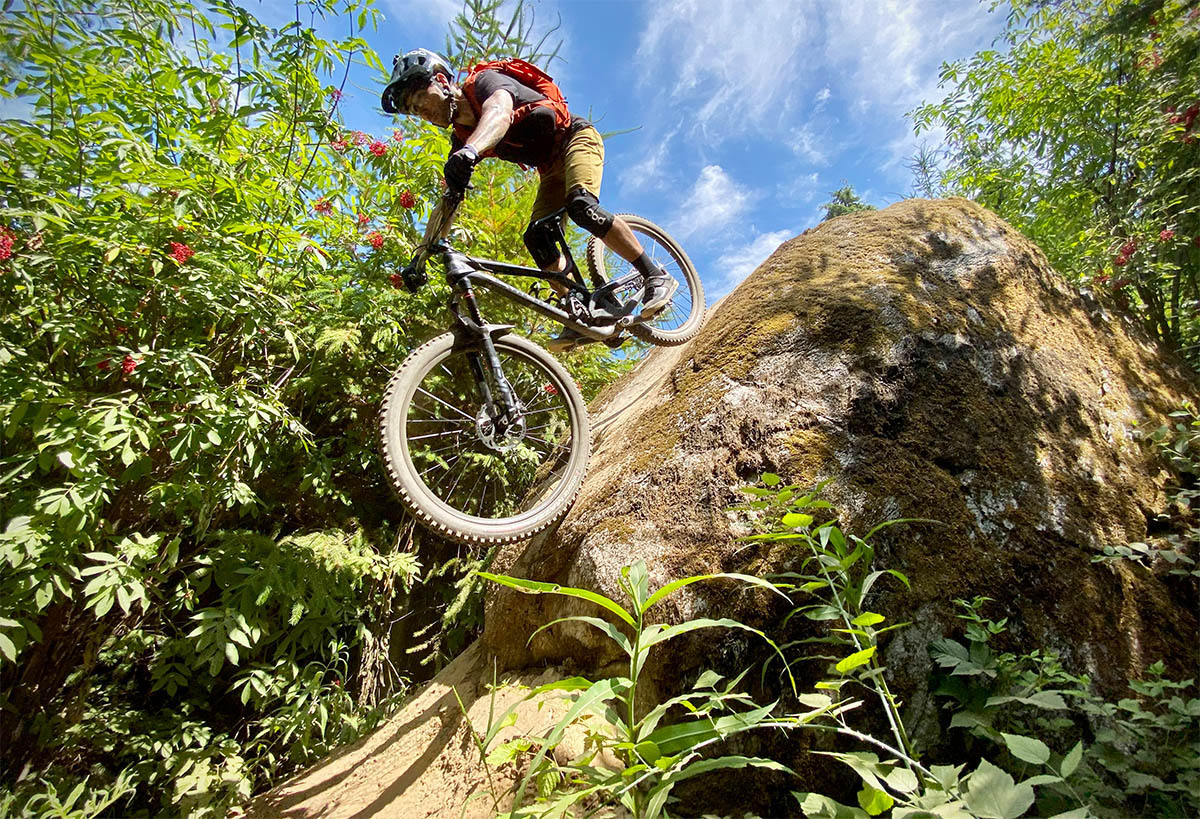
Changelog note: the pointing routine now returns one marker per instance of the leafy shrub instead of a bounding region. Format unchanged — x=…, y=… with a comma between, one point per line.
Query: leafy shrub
x=653, y=757
x=1137, y=756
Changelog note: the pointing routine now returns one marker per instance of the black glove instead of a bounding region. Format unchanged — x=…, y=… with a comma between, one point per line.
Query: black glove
x=414, y=277
x=458, y=168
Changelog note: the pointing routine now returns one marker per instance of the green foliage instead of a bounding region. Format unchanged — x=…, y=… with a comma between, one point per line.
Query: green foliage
x=202, y=559
x=653, y=757
x=197, y=329
x=479, y=33
x=837, y=573
x=1138, y=756
x=1083, y=131
x=842, y=201
x=1180, y=444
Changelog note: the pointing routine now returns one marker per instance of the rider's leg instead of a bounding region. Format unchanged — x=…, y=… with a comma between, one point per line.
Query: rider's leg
x=583, y=166
x=541, y=242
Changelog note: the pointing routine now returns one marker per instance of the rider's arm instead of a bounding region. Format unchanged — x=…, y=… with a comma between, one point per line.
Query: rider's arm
x=494, y=121
x=495, y=118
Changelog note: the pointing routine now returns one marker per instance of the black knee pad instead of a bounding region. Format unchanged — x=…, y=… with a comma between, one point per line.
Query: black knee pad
x=585, y=211
x=540, y=241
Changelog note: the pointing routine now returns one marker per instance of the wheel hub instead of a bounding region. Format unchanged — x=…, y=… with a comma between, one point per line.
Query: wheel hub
x=499, y=434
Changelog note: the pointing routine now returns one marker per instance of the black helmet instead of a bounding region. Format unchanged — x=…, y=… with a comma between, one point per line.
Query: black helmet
x=418, y=64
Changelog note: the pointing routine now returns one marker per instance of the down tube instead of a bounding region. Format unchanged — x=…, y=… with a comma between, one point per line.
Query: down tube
x=518, y=295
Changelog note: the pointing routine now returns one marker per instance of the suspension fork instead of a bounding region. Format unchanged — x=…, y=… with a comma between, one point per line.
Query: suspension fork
x=508, y=398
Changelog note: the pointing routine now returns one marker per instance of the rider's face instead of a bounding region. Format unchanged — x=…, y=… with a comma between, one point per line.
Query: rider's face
x=431, y=103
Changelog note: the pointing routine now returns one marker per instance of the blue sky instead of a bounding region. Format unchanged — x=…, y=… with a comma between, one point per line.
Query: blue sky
x=748, y=113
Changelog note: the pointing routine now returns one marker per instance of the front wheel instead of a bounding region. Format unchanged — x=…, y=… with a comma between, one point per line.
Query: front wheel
x=459, y=470
x=680, y=320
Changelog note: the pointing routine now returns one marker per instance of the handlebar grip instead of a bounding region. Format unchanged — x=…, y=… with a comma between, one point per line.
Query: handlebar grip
x=414, y=276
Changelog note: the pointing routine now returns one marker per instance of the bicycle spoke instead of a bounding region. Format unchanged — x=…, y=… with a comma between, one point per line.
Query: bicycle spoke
x=436, y=435
x=445, y=404
x=442, y=465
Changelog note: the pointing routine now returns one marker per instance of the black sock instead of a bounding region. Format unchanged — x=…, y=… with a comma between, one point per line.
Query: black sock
x=644, y=265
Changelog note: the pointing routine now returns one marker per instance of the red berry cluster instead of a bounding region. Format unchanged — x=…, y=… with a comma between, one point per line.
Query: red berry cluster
x=1166, y=235
x=397, y=136
x=181, y=252
x=375, y=240
x=378, y=148
x=323, y=206
x=339, y=144
x=1127, y=250
x=397, y=281
x=1187, y=119
x=128, y=364
x=6, y=244
x=335, y=94
x=407, y=200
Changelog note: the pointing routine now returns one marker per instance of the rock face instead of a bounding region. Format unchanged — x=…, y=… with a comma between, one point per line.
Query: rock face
x=927, y=363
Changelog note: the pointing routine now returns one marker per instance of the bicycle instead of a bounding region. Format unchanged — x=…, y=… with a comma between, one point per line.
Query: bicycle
x=480, y=408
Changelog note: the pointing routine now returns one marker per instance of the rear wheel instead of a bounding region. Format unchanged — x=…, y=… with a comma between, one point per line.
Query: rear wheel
x=681, y=319
x=463, y=473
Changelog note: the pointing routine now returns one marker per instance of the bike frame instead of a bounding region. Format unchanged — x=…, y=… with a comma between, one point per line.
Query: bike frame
x=474, y=334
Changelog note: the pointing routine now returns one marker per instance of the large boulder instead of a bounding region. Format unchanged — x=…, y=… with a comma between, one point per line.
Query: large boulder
x=926, y=362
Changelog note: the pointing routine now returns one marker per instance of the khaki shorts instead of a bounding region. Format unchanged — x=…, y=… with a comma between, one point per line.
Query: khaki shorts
x=580, y=166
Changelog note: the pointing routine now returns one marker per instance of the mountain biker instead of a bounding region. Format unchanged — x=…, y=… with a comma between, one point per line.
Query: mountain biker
x=569, y=159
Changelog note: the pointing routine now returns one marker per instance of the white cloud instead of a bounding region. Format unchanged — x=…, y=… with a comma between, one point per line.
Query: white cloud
x=714, y=202
x=738, y=263
x=438, y=12
x=823, y=96
x=729, y=64
x=808, y=146
x=649, y=173
x=795, y=73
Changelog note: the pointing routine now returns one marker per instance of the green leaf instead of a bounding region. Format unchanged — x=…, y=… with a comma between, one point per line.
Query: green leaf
x=508, y=751
x=992, y=794
x=647, y=751
x=683, y=736
x=819, y=806
x=796, y=520
x=902, y=779
x=1027, y=749
x=1071, y=760
x=537, y=587
x=874, y=801
x=675, y=585
x=8, y=649
x=856, y=659
x=868, y=618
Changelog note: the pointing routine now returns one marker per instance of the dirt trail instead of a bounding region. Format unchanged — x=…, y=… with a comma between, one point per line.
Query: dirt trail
x=423, y=762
